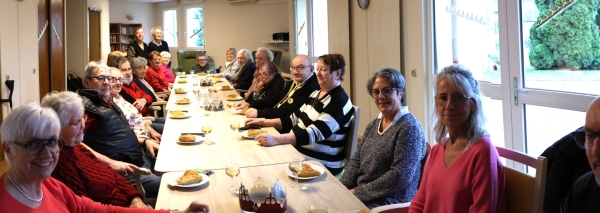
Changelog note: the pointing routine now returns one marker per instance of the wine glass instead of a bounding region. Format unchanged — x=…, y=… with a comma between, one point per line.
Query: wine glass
x=230, y=106
x=206, y=129
x=295, y=167
x=235, y=126
x=317, y=208
x=201, y=104
x=232, y=170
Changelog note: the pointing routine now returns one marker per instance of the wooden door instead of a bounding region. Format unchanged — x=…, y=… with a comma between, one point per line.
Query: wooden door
x=57, y=44
x=94, y=35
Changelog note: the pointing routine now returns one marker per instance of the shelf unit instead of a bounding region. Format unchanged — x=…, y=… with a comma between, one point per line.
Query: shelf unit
x=121, y=35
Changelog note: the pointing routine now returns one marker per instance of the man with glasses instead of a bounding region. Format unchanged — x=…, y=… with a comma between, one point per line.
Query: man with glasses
x=107, y=130
x=584, y=194
x=202, y=64
x=291, y=97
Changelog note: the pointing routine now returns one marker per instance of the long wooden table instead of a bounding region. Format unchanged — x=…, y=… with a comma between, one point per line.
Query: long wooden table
x=325, y=189
x=176, y=157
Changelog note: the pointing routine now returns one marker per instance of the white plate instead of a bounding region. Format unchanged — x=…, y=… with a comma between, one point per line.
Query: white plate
x=198, y=140
x=245, y=135
x=182, y=82
x=230, y=88
x=180, y=117
x=315, y=167
x=173, y=182
x=183, y=102
x=182, y=76
x=234, y=99
x=184, y=92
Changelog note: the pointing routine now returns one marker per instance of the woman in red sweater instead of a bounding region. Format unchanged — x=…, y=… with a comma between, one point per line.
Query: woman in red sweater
x=463, y=172
x=30, y=138
x=155, y=75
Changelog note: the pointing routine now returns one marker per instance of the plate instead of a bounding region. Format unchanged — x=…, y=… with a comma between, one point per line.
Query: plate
x=217, y=80
x=182, y=76
x=181, y=82
x=245, y=135
x=235, y=99
x=184, y=92
x=199, y=139
x=183, y=102
x=230, y=88
x=315, y=167
x=173, y=181
x=179, y=117
x=239, y=112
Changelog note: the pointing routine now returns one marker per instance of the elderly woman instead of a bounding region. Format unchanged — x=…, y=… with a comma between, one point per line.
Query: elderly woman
x=263, y=55
x=155, y=75
x=157, y=44
x=243, y=77
x=139, y=67
x=130, y=111
x=202, y=64
x=78, y=168
x=231, y=65
x=463, y=172
x=395, y=140
x=130, y=91
x=273, y=84
x=138, y=48
x=165, y=63
x=30, y=138
x=318, y=129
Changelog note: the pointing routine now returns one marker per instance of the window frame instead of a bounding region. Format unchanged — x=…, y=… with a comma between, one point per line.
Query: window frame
x=176, y=23
x=183, y=36
x=308, y=27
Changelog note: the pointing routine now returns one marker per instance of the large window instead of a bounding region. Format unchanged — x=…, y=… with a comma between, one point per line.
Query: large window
x=311, y=28
x=194, y=27
x=537, y=78
x=170, y=27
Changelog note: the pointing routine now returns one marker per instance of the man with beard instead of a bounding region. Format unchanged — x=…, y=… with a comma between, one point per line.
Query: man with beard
x=291, y=97
x=584, y=194
x=107, y=130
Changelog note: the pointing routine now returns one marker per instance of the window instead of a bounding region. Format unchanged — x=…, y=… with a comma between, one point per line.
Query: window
x=170, y=27
x=311, y=28
x=194, y=27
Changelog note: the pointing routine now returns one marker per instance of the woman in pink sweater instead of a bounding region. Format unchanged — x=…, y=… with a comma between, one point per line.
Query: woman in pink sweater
x=31, y=141
x=165, y=60
x=463, y=172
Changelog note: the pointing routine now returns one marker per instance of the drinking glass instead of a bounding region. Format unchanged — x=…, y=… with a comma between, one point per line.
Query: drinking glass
x=206, y=129
x=201, y=104
x=317, y=208
x=192, y=72
x=232, y=170
x=295, y=167
x=235, y=126
x=230, y=106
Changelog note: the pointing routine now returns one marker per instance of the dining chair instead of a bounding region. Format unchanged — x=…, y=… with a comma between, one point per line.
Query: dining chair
x=523, y=192
x=403, y=207
x=138, y=181
x=351, y=137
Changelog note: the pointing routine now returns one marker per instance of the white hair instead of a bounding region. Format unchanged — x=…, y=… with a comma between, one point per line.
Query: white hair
x=63, y=103
x=27, y=121
x=247, y=54
x=163, y=53
x=89, y=69
x=267, y=52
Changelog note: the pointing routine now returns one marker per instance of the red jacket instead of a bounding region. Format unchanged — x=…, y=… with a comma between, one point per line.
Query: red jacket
x=132, y=92
x=156, y=79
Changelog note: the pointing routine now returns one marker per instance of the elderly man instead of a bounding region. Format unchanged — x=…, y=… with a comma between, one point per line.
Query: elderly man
x=292, y=96
x=584, y=194
x=107, y=130
x=202, y=64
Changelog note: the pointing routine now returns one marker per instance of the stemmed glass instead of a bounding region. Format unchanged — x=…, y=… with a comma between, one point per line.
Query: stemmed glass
x=201, y=104
x=230, y=107
x=317, y=208
x=235, y=126
x=232, y=170
x=295, y=167
x=206, y=129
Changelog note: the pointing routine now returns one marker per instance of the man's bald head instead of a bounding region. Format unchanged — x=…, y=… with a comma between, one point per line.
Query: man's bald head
x=302, y=67
x=592, y=132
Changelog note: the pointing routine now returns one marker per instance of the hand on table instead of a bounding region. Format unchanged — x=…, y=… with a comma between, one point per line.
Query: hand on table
x=255, y=121
x=139, y=104
x=266, y=139
x=251, y=113
x=241, y=105
x=152, y=146
x=123, y=168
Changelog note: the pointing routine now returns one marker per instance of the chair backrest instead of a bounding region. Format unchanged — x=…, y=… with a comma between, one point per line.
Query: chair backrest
x=352, y=136
x=186, y=59
x=276, y=57
x=523, y=192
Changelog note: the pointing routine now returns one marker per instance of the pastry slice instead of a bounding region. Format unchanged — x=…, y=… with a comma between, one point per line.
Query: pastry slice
x=308, y=171
x=254, y=132
x=189, y=177
x=187, y=138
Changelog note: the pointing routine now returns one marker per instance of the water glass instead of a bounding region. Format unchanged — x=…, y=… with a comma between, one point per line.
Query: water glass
x=295, y=166
x=192, y=72
x=232, y=170
x=317, y=208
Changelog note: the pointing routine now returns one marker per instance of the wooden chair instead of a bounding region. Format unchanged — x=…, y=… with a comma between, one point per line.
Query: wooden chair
x=523, y=192
x=351, y=137
x=403, y=207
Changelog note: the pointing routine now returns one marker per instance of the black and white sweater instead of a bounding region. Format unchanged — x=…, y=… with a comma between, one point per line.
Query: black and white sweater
x=320, y=127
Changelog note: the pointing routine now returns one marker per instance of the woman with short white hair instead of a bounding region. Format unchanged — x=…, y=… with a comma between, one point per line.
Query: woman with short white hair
x=231, y=65
x=165, y=62
x=262, y=55
x=158, y=44
x=243, y=78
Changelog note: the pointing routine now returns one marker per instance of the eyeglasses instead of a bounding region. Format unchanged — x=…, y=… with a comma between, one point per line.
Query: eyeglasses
x=585, y=139
x=385, y=91
x=118, y=80
x=299, y=68
x=80, y=122
x=229, y=54
x=202, y=59
x=264, y=75
x=35, y=146
x=101, y=78
x=442, y=100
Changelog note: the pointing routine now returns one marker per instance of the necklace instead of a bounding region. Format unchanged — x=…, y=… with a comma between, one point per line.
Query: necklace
x=36, y=200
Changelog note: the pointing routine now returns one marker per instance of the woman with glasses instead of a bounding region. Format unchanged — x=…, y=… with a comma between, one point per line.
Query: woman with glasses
x=231, y=65
x=30, y=137
x=395, y=140
x=243, y=77
x=318, y=129
x=139, y=69
x=262, y=55
x=271, y=81
x=464, y=172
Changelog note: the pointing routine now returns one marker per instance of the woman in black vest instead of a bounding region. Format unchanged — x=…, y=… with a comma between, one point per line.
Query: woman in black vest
x=138, y=47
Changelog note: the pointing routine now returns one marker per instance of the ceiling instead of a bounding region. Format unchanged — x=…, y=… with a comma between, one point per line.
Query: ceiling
x=144, y=1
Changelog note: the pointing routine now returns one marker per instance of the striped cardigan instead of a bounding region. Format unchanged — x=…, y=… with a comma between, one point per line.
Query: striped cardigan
x=320, y=127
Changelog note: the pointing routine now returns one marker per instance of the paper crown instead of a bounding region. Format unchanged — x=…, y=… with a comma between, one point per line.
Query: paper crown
x=262, y=199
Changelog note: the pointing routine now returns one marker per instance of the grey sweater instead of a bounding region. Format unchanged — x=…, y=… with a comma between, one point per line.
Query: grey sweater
x=387, y=165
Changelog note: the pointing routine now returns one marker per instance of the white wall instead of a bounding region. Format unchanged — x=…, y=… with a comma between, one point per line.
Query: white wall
x=143, y=15
x=239, y=26
x=19, y=52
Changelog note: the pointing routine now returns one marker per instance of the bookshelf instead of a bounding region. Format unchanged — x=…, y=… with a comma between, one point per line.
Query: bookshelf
x=121, y=35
